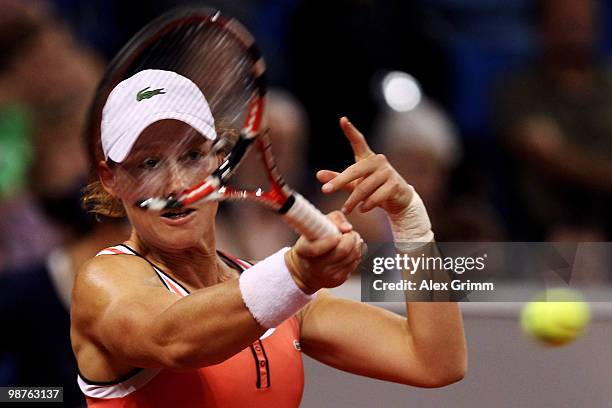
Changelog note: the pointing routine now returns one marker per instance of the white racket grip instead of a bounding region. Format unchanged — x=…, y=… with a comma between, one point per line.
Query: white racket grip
x=307, y=220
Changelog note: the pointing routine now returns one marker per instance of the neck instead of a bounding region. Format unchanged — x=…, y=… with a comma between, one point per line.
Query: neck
x=196, y=268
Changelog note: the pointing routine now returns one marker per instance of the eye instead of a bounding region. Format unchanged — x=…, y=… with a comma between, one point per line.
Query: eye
x=194, y=155
x=149, y=163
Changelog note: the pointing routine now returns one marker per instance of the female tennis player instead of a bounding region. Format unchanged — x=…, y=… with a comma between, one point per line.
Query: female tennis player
x=164, y=319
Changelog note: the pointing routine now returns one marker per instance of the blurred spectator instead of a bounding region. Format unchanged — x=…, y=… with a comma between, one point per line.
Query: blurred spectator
x=35, y=305
x=46, y=82
x=556, y=121
x=335, y=47
x=424, y=148
x=288, y=126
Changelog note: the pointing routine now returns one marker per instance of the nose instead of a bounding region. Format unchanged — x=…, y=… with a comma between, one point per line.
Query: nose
x=177, y=179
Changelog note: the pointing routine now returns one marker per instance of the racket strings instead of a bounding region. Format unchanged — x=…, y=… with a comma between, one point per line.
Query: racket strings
x=216, y=57
x=223, y=74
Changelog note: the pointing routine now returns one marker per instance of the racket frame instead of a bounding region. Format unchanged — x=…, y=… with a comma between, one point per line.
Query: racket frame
x=297, y=211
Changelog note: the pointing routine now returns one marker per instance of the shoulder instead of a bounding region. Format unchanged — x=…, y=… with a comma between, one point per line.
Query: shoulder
x=105, y=278
x=109, y=269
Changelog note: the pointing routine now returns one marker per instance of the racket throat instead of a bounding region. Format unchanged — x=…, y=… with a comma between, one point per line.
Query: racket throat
x=231, y=162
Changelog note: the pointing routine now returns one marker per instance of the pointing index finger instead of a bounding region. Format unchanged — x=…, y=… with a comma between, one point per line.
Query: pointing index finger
x=360, y=147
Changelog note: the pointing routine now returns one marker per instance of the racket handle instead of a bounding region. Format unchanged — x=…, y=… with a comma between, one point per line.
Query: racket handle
x=307, y=220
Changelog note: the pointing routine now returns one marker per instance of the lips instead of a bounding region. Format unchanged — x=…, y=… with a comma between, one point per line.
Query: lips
x=178, y=217
x=177, y=214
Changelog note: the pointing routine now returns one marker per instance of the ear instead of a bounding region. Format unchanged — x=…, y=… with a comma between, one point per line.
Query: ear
x=107, y=178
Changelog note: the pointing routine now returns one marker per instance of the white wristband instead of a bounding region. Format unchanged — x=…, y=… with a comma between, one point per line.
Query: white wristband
x=412, y=229
x=269, y=291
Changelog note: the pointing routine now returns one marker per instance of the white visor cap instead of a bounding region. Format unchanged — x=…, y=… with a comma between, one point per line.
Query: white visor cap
x=148, y=97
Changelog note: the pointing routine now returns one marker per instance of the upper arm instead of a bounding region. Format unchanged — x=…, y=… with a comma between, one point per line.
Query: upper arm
x=361, y=339
x=120, y=308
x=115, y=305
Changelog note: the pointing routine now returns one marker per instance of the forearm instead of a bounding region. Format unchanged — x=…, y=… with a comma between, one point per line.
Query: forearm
x=409, y=347
x=438, y=338
x=435, y=323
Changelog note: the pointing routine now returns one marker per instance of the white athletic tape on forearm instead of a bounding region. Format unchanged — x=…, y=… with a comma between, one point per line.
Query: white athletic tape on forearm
x=412, y=229
x=269, y=291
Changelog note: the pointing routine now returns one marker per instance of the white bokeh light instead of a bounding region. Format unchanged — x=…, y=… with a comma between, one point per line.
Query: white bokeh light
x=401, y=91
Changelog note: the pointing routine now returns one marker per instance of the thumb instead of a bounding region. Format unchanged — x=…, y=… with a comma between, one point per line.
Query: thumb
x=339, y=219
x=311, y=249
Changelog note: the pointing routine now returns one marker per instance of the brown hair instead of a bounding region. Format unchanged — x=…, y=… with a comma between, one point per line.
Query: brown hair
x=95, y=198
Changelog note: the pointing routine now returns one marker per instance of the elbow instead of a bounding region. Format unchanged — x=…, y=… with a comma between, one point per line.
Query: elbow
x=171, y=353
x=176, y=354
x=183, y=357
x=447, y=375
x=179, y=358
x=184, y=354
x=458, y=374
x=437, y=378
x=441, y=375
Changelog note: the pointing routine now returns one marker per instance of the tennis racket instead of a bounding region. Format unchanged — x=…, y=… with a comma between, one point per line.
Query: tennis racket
x=219, y=56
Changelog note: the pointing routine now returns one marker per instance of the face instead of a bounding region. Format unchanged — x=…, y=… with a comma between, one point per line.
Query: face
x=161, y=164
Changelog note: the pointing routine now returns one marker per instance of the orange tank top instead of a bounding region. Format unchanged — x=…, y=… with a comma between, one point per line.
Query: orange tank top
x=268, y=373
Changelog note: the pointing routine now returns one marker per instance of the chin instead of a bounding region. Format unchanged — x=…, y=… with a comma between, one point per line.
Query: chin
x=177, y=240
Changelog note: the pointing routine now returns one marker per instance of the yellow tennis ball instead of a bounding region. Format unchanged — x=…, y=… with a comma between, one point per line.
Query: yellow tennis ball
x=556, y=317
